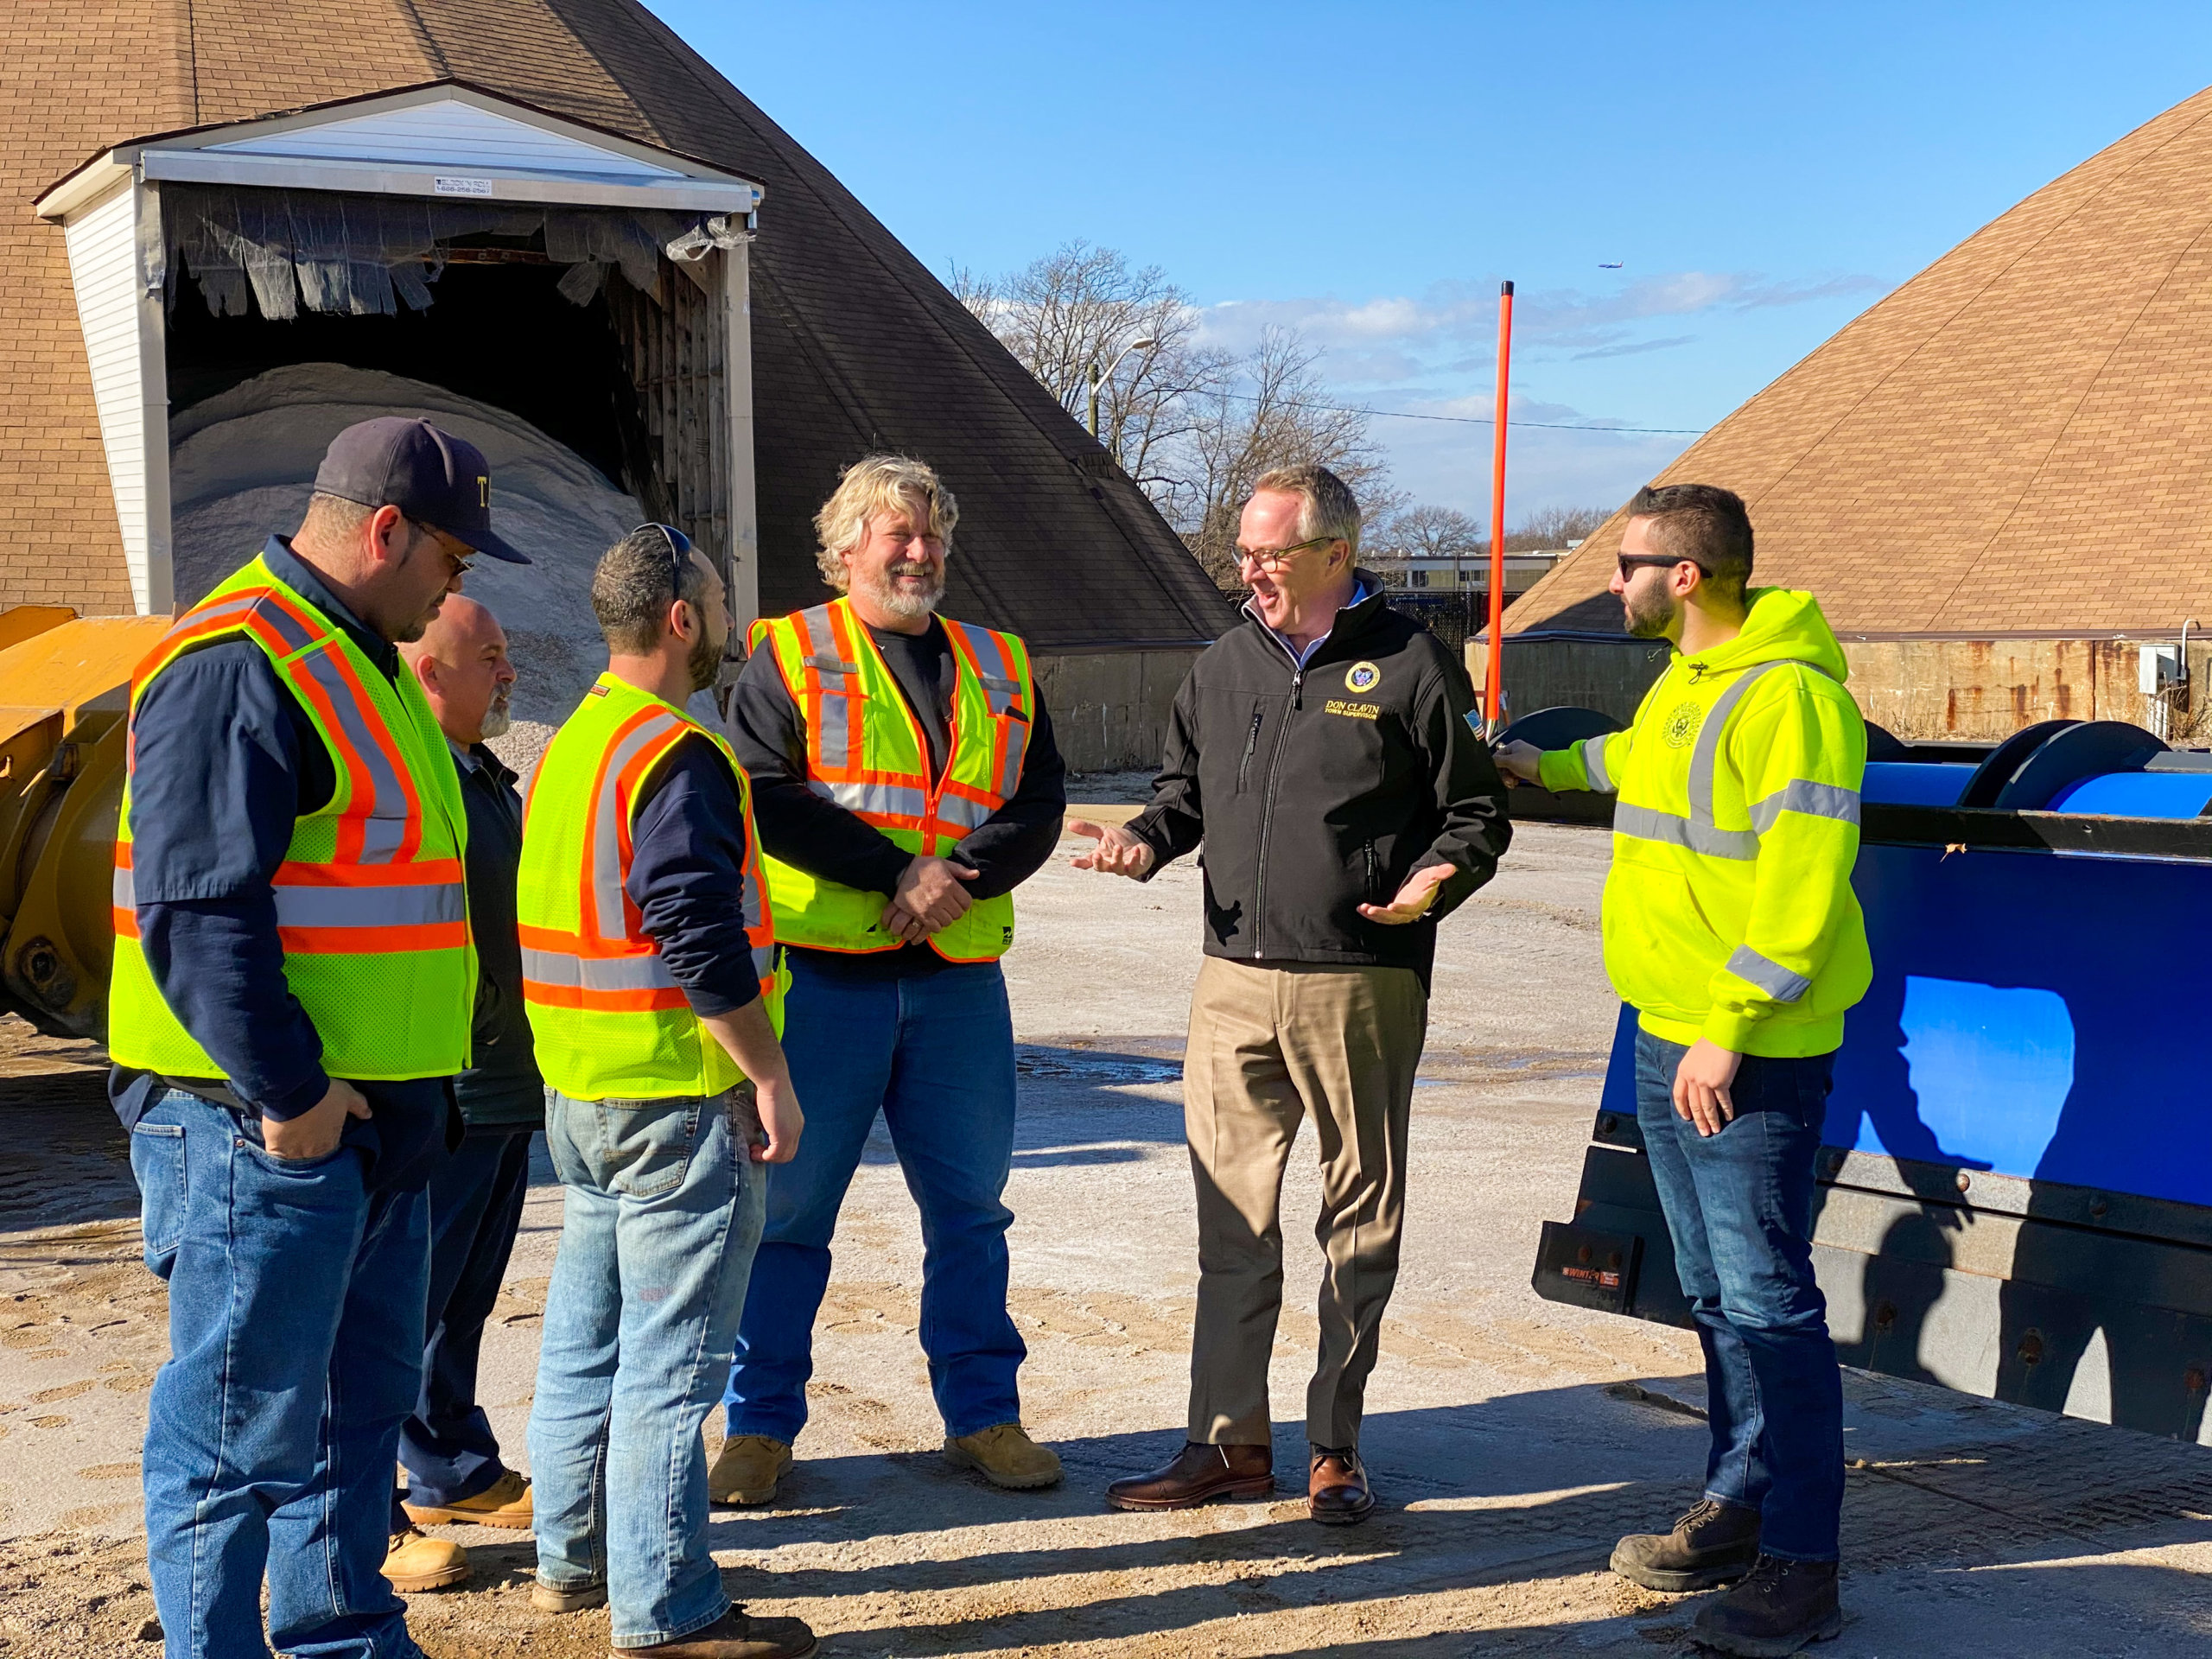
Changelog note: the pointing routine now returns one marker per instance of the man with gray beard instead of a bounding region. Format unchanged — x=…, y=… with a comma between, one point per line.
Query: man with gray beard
x=455, y=1474
x=904, y=781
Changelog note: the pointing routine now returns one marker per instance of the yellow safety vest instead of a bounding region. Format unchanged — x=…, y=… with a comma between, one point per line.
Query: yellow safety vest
x=610, y=1020
x=867, y=751
x=372, y=899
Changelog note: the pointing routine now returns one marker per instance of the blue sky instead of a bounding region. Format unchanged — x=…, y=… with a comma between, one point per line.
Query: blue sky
x=1762, y=172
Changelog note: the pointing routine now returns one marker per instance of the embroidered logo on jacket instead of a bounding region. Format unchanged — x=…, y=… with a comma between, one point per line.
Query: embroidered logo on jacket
x=1681, y=727
x=1363, y=676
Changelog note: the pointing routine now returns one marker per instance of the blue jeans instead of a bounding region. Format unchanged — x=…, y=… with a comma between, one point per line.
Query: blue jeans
x=296, y=1330
x=1739, y=1210
x=475, y=1208
x=661, y=1214
x=934, y=1053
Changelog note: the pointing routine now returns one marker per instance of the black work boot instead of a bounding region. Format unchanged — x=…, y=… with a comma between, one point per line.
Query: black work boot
x=1781, y=1607
x=1713, y=1544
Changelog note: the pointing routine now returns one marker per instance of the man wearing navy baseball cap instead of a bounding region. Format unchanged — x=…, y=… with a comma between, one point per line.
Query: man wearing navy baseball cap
x=293, y=986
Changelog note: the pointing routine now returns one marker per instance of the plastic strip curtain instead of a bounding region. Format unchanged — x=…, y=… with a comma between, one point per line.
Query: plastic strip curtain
x=368, y=255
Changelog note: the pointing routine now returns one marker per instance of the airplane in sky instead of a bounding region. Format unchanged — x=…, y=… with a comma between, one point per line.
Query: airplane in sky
x=1615, y=265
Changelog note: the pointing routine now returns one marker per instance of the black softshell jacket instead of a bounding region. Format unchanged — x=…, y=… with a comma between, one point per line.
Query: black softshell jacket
x=1320, y=789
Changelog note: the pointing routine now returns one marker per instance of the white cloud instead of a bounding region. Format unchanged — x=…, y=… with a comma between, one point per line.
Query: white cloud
x=1452, y=325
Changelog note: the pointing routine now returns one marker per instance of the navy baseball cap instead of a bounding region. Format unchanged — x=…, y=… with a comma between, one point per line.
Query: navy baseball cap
x=432, y=476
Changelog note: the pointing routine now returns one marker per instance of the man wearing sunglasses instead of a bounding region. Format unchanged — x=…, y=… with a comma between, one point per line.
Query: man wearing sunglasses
x=1322, y=752
x=1731, y=927
x=293, y=975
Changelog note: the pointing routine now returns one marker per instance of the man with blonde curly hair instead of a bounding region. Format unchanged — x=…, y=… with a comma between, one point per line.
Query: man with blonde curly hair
x=904, y=782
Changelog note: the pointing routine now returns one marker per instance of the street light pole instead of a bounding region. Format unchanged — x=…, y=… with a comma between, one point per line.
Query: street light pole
x=1141, y=343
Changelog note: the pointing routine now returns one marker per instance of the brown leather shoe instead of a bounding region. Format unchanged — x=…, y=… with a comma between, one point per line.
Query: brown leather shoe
x=1198, y=1473
x=1337, y=1492
x=735, y=1636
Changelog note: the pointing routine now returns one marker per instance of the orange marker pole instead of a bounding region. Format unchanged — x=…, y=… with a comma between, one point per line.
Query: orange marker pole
x=1495, y=690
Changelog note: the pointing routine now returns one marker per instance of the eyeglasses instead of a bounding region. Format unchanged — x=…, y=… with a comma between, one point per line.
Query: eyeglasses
x=1274, y=558
x=1628, y=562
x=462, y=562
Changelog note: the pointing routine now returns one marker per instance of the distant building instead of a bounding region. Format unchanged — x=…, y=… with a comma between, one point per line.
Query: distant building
x=1469, y=573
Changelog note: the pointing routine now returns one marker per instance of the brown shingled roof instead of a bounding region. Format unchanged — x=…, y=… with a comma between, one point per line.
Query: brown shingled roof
x=856, y=346
x=2019, y=440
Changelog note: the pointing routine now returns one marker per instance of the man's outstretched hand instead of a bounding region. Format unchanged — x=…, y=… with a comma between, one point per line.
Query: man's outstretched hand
x=1118, y=852
x=1413, y=898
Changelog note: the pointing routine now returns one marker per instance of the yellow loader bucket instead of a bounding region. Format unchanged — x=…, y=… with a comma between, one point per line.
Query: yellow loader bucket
x=64, y=685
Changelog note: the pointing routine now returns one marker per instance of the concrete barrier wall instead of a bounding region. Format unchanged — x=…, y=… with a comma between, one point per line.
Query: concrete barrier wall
x=1109, y=709
x=1923, y=690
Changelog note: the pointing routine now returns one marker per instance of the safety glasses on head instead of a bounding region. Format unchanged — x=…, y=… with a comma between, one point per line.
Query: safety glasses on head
x=679, y=554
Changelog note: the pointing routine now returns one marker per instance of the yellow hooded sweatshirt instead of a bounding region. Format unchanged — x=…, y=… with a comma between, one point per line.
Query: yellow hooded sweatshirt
x=1729, y=912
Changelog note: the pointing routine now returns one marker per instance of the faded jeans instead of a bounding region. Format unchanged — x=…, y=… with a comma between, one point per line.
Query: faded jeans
x=296, y=1339
x=661, y=1216
x=1739, y=1210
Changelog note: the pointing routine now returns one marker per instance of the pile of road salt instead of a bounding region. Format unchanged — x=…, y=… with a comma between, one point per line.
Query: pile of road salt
x=241, y=465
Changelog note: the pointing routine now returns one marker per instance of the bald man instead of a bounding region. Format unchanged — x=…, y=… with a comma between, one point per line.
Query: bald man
x=451, y=1458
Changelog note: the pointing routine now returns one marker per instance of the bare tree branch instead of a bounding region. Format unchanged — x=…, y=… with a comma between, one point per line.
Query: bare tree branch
x=1193, y=425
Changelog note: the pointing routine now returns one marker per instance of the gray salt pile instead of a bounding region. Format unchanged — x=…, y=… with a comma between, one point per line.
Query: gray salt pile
x=241, y=464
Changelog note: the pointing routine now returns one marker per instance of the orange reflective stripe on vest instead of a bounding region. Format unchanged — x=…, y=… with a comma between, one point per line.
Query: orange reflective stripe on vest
x=611, y=964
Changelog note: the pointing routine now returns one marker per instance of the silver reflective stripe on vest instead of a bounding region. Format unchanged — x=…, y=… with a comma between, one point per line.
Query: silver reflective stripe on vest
x=126, y=891
x=1771, y=977
x=607, y=826
x=840, y=683
x=386, y=825
x=320, y=907
x=982, y=648
x=1814, y=800
x=597, y=973
x=1012, y=755
x=1649, y=823
x=240, y=606
x=1593, y=765
x=885, y=800
x=963, y=813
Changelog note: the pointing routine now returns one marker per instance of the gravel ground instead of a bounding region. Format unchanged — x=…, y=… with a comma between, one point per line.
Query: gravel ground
x=1512, y=1440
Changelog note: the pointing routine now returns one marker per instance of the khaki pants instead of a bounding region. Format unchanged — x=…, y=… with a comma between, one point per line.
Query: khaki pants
x=1267, y=1046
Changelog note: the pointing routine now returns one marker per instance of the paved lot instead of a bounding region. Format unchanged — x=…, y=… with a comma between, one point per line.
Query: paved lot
x=1512, y=1440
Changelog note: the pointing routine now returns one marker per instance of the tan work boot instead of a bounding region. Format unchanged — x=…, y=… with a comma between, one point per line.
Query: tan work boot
x=746, y=1469
x=414, y=1562
x=733, y=1636
x=1007, y=1457
x=504, y=1502
x=570, y=1598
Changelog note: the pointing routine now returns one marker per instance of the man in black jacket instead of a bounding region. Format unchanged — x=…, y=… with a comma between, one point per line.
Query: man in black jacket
x=452, y=1458
x=1322, y=750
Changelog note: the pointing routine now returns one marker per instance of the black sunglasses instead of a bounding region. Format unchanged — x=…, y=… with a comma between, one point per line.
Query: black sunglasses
x=1629, y=561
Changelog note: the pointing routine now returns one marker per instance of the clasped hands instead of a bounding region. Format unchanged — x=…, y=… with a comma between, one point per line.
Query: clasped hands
x=931, y=895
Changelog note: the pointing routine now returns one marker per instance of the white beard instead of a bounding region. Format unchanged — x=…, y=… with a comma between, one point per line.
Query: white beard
x=898, y=600
x=497, y=719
